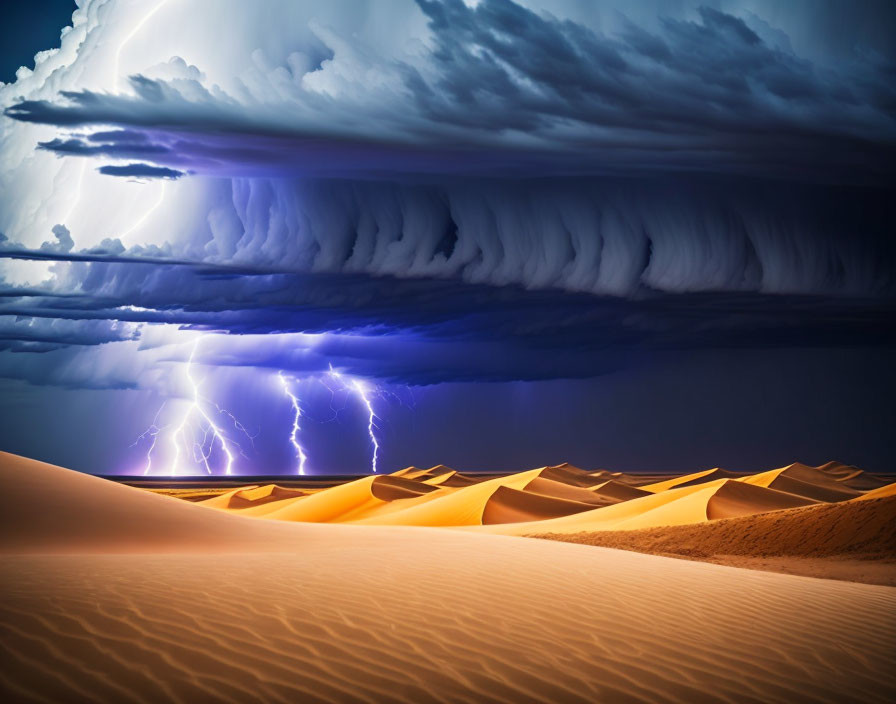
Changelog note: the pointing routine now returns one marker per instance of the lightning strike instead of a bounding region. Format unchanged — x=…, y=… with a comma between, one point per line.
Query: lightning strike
x=363, y=392
x=152, y=431
x=200, y=454
x=296, y=427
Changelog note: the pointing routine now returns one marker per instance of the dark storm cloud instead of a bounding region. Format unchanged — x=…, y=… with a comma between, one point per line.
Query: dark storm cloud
x=493, y=281
x=505, y=88
x=454, y=331
x=36, y=334
x=140, y=171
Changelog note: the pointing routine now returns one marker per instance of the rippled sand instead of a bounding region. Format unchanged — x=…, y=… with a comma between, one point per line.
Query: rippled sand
x=425, y=616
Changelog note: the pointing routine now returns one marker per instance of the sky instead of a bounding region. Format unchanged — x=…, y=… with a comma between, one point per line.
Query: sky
x=343, y=237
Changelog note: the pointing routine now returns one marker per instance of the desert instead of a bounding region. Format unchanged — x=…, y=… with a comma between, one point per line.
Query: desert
x=388, y=589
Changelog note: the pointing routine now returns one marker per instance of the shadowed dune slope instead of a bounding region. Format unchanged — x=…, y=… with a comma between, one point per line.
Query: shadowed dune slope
x=857, y=529
x=671, y=507
x=802, y=480
x=508, y=505
x=618, y=491
x=696, y=503
x=223, y=500
x=258, y=496
x=455, y=481
x=739, y=499
x=569, y=474
x=813, y=490
x=853, y=477
x=559, y=490
x=392, y=488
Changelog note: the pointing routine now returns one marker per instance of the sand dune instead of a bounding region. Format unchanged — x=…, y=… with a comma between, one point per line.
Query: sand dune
x=565, y=497
x=394, y=488
x=862, y=534
x=508, y=505
x=430, y=474
x=707, y=475
x=801, y=480
x=618, y=491
x=644, y=509
x=355, y=500
x=695, y=503
x=879, y=493
x=461, y=507
x=454, y=481
x=569, y=474
x=252, y=497
x=44, y=508
x=312, y=612
x=850, y=476
x=560, y=490
x=739, y=499
x=223, y=499
x=812, y=490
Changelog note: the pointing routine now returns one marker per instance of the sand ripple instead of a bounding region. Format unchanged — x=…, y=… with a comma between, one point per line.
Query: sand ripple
x=415, y=615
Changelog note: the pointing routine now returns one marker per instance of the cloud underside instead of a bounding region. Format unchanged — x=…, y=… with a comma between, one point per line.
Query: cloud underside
x=453, y=331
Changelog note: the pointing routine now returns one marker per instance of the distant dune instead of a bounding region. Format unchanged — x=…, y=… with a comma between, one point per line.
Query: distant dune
x=114, y=594
x=741, y=499
x=560, y=498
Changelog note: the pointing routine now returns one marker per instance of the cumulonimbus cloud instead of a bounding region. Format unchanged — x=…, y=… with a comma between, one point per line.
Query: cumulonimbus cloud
x=511, y=180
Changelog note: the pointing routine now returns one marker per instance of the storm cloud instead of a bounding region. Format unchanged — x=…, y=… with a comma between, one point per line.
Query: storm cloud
x=501, y=87
x=557, y=194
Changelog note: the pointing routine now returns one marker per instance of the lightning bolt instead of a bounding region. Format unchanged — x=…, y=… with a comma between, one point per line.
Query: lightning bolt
x=363, y=392
x=200, y=454
x=152, y=431
x=296, y=428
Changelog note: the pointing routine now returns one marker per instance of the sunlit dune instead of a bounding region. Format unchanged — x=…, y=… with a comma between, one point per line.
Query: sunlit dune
x=461, y=506
x=560, y=498
x=113, y=593
x=879, y=493
x=339, y=503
